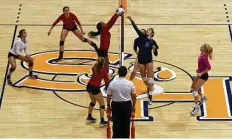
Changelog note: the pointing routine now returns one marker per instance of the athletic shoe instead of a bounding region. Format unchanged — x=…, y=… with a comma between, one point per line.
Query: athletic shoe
x=90, y=120
x=203, y=100
x=58, y=59
x=9, y=80
x=194, y=111
x=103, y=123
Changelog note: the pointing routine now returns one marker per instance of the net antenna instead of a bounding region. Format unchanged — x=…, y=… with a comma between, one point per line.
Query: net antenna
x=123, y=4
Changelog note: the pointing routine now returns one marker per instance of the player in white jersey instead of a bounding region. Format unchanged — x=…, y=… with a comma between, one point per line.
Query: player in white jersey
x=16, y=53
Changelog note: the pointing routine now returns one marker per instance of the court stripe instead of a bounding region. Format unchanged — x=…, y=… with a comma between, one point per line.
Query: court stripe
x=54, y=92
x=230, y=32
x=8, y=64
x=228, y=20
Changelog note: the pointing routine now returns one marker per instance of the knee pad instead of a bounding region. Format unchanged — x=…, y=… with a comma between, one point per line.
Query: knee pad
x=61, y=43
x=151, y=92
x=31, y=64
x=102, y=107
x=195, y=93
x=144, y=79
x=150, y=81
x=84, y=40
x=135, y=71
x=12, y=69
x=92, y=104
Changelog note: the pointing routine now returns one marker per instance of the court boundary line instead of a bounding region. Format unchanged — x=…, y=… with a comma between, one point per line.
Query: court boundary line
x=161, y=24
x=228, y=20
x=8, y=64
x=229, y=97
x=7, y=67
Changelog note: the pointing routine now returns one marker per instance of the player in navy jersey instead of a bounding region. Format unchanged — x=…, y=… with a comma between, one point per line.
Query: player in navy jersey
x=136, y=64
x=145, y=60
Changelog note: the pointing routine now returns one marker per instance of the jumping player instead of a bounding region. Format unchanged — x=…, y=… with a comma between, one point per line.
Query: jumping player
x=93, y=88
x=145, y=60
x=136, y=64
x=69, y=24
x=202, y=76
x=105, y=35
x=16, y=53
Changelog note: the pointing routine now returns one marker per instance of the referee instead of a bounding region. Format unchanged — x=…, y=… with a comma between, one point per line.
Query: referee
x=122, y=92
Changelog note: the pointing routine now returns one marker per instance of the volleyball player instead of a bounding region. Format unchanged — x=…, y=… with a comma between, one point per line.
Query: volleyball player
x=16, y=53
x=93, y=88
x=202, y=76
x=105, y=35
x=145, y=60
x=69, y=24
x=136, y=64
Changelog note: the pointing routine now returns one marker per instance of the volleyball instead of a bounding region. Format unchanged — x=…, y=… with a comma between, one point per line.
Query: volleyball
x=120, y=11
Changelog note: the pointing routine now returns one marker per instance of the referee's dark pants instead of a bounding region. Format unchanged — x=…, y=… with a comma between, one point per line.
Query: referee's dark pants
x=121, y=114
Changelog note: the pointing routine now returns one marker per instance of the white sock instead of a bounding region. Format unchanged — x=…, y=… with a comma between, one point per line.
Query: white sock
x=195, y=105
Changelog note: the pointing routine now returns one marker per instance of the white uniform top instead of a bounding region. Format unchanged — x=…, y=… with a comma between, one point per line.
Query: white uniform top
x=18, y=47
x=121, y=89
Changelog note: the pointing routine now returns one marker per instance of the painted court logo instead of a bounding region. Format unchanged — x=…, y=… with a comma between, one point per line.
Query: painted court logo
x=217, y=89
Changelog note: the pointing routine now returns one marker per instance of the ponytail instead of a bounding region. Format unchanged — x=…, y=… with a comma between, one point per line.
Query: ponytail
x=93, y=34
x=210, y=53
x=99, y=64
x=97, y=67
x=208, y=49
x=153, y=32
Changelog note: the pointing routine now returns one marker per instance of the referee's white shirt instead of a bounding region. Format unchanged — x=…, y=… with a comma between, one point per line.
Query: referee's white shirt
x=120, y=89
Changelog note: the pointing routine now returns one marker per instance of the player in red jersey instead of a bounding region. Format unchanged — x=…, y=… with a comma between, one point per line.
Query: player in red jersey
x=105, y=35
x=69, y=24
x=93, y=88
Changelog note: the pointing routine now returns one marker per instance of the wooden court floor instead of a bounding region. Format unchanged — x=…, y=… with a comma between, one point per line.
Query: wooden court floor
x=55, y=104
